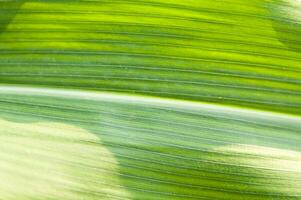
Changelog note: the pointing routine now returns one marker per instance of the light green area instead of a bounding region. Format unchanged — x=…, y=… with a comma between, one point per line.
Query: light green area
x=48, y=160
x=205, y=99
x=167, y=149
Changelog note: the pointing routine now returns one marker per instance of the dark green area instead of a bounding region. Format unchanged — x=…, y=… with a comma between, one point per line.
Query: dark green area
x=228, y=52
x=287, y=22
x=8, y=10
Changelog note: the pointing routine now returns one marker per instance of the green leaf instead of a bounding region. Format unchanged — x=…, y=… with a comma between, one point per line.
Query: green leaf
x=150, y=99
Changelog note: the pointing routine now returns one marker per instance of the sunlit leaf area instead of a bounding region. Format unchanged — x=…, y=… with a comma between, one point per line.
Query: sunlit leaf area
x=150, y=100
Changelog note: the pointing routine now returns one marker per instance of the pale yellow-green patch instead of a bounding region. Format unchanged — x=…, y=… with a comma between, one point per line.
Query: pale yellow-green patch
x=55, y=161
x=274, y=165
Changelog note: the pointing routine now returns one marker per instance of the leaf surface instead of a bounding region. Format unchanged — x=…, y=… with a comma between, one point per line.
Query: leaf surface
x=150, y=99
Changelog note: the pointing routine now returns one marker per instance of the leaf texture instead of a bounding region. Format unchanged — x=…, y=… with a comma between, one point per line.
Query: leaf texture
x=150, y=99
x=226, y=51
